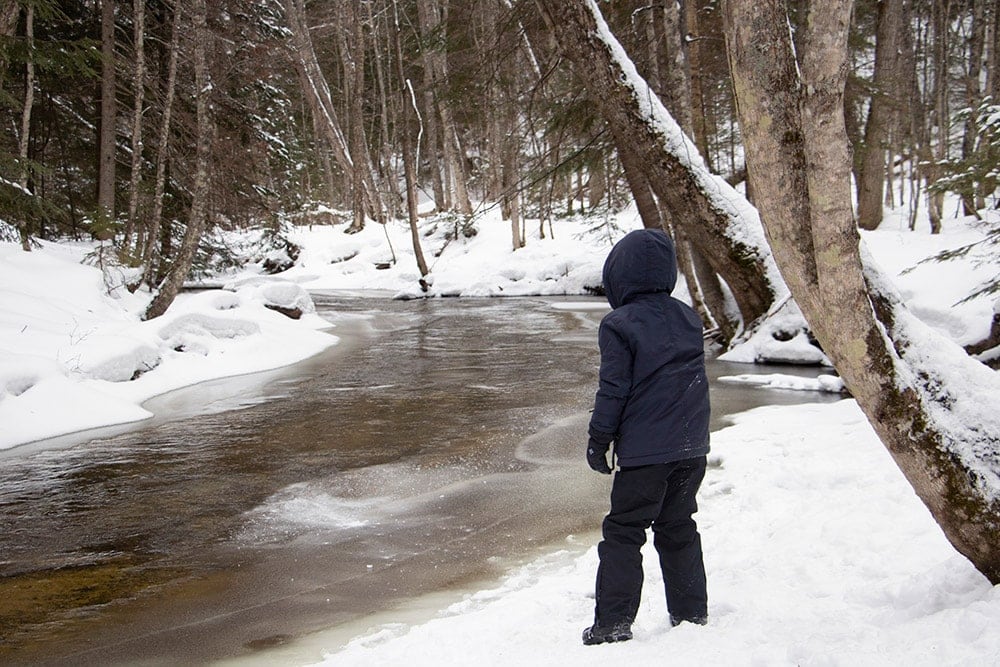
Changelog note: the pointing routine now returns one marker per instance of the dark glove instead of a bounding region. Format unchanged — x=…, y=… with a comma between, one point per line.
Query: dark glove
x=597, y=456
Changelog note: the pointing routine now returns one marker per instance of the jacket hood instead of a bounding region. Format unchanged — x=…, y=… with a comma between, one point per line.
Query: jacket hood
x=641, y=263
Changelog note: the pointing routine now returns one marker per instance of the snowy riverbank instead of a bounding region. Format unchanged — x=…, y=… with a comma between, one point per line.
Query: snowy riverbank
x=817, y=552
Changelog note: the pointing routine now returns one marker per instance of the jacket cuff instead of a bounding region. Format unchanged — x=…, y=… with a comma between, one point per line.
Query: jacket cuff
x=601, y=437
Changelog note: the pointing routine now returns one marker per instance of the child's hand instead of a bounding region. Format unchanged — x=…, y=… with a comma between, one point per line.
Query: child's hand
x=597, y=456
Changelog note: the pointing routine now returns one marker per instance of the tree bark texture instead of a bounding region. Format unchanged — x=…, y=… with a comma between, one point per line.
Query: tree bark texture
x=882, y=111
x=642, y=193
x=138, y=93
x=198, y=215
x=939, y=126
x=109, y=113
x=24, y=141
x=409, y=109
x=707, y=209
x=432, y=29
x=317, y=93
x=154, y=221
x=794, y=131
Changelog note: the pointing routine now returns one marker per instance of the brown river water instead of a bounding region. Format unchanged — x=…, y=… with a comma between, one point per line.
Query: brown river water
x=437, y=446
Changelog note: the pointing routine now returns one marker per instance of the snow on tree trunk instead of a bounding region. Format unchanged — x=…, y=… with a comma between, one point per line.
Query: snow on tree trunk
x=713, y=215
x=935, y=409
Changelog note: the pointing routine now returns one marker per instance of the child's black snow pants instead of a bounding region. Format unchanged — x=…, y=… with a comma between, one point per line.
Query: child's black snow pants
x=661, y=496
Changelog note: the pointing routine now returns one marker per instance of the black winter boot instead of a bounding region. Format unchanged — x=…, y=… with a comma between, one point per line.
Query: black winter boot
x=599, y=634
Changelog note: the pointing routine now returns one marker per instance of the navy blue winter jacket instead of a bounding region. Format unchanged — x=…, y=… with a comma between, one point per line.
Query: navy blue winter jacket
x=652, y=400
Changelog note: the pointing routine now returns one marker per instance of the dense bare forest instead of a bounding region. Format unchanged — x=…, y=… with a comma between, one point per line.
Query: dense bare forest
x=151, y=125
x=120, y=128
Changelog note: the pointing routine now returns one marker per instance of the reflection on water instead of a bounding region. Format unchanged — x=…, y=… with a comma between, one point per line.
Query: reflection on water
x=438, y=437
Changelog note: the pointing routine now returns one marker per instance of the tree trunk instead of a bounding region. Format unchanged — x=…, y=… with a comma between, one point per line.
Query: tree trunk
x=24, y=141
x=793, y=127
x=426, y=23
x=884, y=102
x=155, y=221
x=432, y=29
x=974, y=95
x=409, y=104
x=675, y=71
x=109, y=113
x=317, y=93
x=993, y=63
x=713, y=214
x=939, y=135
x=138, y=92
x=695, y=45
x=202, y=178
x=353, y=54
x=714, y=297
x=642, y=193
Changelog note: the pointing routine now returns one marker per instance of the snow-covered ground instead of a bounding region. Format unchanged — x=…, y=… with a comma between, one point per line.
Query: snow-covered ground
x=817, y=550
x=73, y=357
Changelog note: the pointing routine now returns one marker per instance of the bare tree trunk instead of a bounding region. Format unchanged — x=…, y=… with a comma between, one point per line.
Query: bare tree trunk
x=138, y=92
x=317, y=93
x=712, y=294
x=409, y=104
x=884, y=101
x=642, y=193
x=511, y=195
x=596, y=182
x=109, y=114
x=387, y=174
x=974, y=94
x=426, y=20
x=24, y=142
x=993, y=74
x=939, y=137
x=695, y=45
x=706, y=207
x=198, y=215
x=353, y=54
x=675, y=71
x=155, y=220
x=678, y=78
x=792, y=117
x=432, y=28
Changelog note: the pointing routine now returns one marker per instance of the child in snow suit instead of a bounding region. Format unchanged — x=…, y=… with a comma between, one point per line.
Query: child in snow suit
x=652, y=403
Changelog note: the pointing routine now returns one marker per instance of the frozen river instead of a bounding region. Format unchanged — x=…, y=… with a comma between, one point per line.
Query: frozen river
x=438, y=444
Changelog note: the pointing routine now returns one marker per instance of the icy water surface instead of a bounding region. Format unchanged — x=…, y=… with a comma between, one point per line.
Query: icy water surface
x=439, y=442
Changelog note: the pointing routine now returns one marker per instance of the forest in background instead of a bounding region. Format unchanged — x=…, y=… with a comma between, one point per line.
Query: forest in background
x=150, y=124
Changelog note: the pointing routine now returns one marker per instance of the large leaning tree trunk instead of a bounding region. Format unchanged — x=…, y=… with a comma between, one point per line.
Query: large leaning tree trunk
x=716, y=218
x=933, y=407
